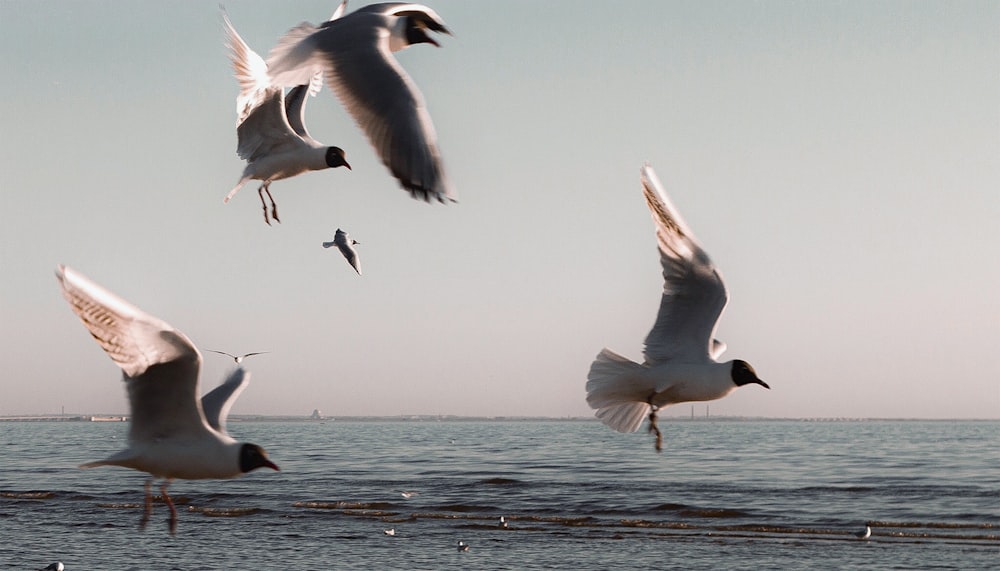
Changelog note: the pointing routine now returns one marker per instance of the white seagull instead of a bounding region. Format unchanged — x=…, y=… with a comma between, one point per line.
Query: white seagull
x=354, y=55
x=390, y=531
x=237, y=358
x=345, y=244
x=681, y=350
x=172, y=434
x=864, y=534
x=270, y=126
x=57, y=566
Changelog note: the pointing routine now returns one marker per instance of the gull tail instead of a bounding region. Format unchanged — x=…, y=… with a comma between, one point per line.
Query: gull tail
x=329, y=244
x=125, y=459
x=617, y=392
x=236, y=189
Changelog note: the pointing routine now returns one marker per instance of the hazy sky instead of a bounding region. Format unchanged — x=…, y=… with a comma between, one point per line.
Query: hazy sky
x=840, y=162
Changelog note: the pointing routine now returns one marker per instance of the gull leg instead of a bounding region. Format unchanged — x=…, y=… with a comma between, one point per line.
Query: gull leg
x=149, y=505
x=170, y=504
x=653, y=428
x=274, y=205
x=260, y=193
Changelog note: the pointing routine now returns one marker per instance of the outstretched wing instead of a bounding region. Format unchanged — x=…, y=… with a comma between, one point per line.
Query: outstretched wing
x=694, y=294
x=217, y=403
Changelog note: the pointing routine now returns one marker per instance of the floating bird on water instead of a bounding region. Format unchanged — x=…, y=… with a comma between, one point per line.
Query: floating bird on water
x=390, y=531
x=407, y=495
x=354, y=55
x=270, y=126
x=502, y=523
x=172, y=434
x=237, y=358
x=57, y=566
x=681, y=350
x=345, y=244
x=864, y=534
x=462, y=546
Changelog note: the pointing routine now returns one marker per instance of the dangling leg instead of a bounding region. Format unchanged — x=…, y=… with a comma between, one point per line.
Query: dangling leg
x=170, y=504
x=260, y=193
x=274, y=205
x=149, y=504
x=653, y=429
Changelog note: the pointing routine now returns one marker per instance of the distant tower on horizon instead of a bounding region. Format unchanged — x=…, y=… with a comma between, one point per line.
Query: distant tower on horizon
x=316, y=415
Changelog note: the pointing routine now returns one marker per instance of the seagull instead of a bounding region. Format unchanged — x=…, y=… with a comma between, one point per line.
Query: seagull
x=172, y=433
x=390, y=531
x=681, y=352
x=407, y=495
x=57, y=566
x=346, y=246
x=354, y=55
x=237, y=358
x=502, y=523
x=462, y=546
x=270, y=126
x=864, y=534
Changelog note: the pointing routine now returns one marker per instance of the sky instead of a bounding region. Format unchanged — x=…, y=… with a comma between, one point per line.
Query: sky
x=839, y=161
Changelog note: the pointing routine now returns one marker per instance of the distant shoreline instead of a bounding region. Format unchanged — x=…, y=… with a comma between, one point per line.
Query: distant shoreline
x=455, y=418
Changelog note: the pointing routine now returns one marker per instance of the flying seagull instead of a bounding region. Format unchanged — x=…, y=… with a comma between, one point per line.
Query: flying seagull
x=237, y=358
x=172, y=433
x=354, y=55
x=270, y=126
x=345, y=244
x=681, y=350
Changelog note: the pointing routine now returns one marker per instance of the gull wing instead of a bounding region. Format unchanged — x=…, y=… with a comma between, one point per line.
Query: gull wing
x=217, y=403
x=353, y=54
x=250, y=71
x=694, y=294
x=160, y=363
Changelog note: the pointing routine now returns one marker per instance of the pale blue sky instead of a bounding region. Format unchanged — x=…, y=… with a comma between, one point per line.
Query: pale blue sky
x=840, y=161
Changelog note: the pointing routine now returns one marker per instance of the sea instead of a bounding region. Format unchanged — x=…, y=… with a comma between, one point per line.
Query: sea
x=723, y=494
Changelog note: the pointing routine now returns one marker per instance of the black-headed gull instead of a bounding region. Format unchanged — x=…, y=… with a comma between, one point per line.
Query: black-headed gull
x=354, y=54
x=57, y=566
x=681, y=350
x=345, y=244
x=864, y=534
x=390, y=531
x=237, y=358
x=270, y=126
x=172, y=434
x=462, y=546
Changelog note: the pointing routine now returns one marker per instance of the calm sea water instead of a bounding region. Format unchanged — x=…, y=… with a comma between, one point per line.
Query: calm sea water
x=723, y=495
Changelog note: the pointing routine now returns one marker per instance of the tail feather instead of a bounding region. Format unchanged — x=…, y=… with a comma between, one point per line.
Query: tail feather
x=235, y=189
x=329, y=244
x=618, y=394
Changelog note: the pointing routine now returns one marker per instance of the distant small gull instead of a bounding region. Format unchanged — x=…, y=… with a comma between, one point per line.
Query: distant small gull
x=864, y=534
x=345, y=244
x=390, y=531
x=57, y=566
x=681, y=350
x=503, y=522
x=462, y=546
x=238, y=359
x=172, y=434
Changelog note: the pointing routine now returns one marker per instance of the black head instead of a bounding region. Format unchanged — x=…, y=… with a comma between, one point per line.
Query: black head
x=335, y=157
x=253, y=457
x=416, y=32
x=743, y=374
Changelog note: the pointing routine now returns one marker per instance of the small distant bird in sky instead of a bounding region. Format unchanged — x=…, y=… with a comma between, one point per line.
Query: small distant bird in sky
x=270, y=127
x=681, y=349
x=345, y=244
x=462, y=546
x=354, y=55
x=172, y=434
x=864, y=534
x=237, y=358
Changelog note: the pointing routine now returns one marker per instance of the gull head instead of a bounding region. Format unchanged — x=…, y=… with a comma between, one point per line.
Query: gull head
x=335, y=157
x=743, y=374
x=253, y=457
